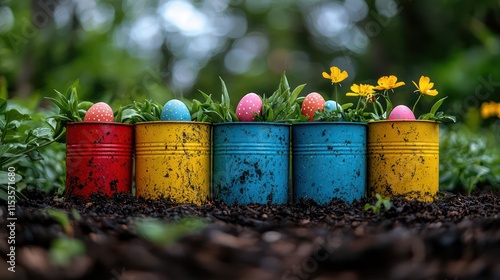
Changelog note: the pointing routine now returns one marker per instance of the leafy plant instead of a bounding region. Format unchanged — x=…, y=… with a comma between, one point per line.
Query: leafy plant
x=468, y=159
x=283, y=105
x=70, y=108
x=438, y=116
x=213, y=111
x=22, y=136
x=49, y=172
x=161, y=233
x=146, y=111
x=347, y=113
x=377, y=207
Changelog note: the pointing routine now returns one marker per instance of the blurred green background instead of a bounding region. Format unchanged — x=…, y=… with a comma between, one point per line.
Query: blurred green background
x=163, y=49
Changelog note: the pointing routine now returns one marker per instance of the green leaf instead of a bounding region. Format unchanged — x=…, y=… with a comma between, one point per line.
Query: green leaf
x=270, y=115
x=3, y=89
x=427, y=116
x=3, y=105
x=85, y=105
x=42, y=133
x=296, y=92
x=60, y=216
x=73, y=100
x=4, y=177
x=63, y=249
x=346, y=106
x=162, y=233
x=3, y=194
x=436, y=105
x=15, y=115
x=387, y=204
x=225, y=95
x=389, y=108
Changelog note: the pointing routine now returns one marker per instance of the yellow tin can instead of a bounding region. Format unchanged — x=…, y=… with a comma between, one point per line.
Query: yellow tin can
x=172, y=160
x=403, y=159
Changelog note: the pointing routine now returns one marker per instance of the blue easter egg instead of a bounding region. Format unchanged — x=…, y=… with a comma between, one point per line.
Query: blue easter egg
x=175, y=110
x=332, y=105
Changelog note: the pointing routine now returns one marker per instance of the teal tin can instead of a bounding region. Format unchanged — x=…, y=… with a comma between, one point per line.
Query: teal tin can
x=251, y=162
x=329, y=161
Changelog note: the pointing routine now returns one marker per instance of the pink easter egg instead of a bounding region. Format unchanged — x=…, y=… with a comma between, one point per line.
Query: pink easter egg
x=401, y=112
x=248, y=107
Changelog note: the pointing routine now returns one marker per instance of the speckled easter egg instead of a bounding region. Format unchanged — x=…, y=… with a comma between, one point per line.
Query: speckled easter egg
x=401, y=112
x=99, y=112
x=312, y=103
x=175, y=110
x=332, y=105
x=248, y=106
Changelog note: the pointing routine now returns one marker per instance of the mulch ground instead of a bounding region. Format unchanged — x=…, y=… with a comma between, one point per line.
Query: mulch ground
x=456, y=237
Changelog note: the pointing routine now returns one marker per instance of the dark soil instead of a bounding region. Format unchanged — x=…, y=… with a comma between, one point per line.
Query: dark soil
x=456, y=237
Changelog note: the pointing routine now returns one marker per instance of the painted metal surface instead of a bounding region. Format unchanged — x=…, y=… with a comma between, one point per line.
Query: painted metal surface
x=173, y=161
x=98, y=158
x=403, y=159
x=251, y=162
x=329, y=161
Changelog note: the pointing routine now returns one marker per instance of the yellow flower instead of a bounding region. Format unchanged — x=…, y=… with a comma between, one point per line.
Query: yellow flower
x=361, y=90
x=425, y=86
x=388, y=82
x=335, y=75
x=490, y=109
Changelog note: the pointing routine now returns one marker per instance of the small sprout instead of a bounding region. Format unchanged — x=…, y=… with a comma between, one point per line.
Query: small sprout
x=64, y=249
x=76, y=215
x=161, y=233
x=62, y=218
x=386, y=202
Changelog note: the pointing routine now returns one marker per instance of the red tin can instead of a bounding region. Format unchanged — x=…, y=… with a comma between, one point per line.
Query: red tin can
x=99, y=158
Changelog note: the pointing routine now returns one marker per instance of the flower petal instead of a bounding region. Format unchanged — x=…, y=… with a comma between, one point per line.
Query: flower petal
x=355, y=88
x=422, y=83
x=398, y=84
x=416, y=85
x=335, y=71
x=432, y=92
x=343, y=75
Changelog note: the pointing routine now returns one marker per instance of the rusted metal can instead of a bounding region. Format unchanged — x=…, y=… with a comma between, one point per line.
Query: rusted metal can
x=99, y=158
x=403, y=159
x=172, y=160
x=251, y=162
x=329, y=161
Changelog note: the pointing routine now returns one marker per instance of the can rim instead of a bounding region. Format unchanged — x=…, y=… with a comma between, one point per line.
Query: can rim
x=253, y=123
x=100, y=123
x=397, y=121
x=171, y=122
x=330, y=123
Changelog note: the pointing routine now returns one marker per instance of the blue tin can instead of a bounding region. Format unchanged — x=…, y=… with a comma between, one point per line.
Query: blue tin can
x=329, y=161
x=251, y=162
